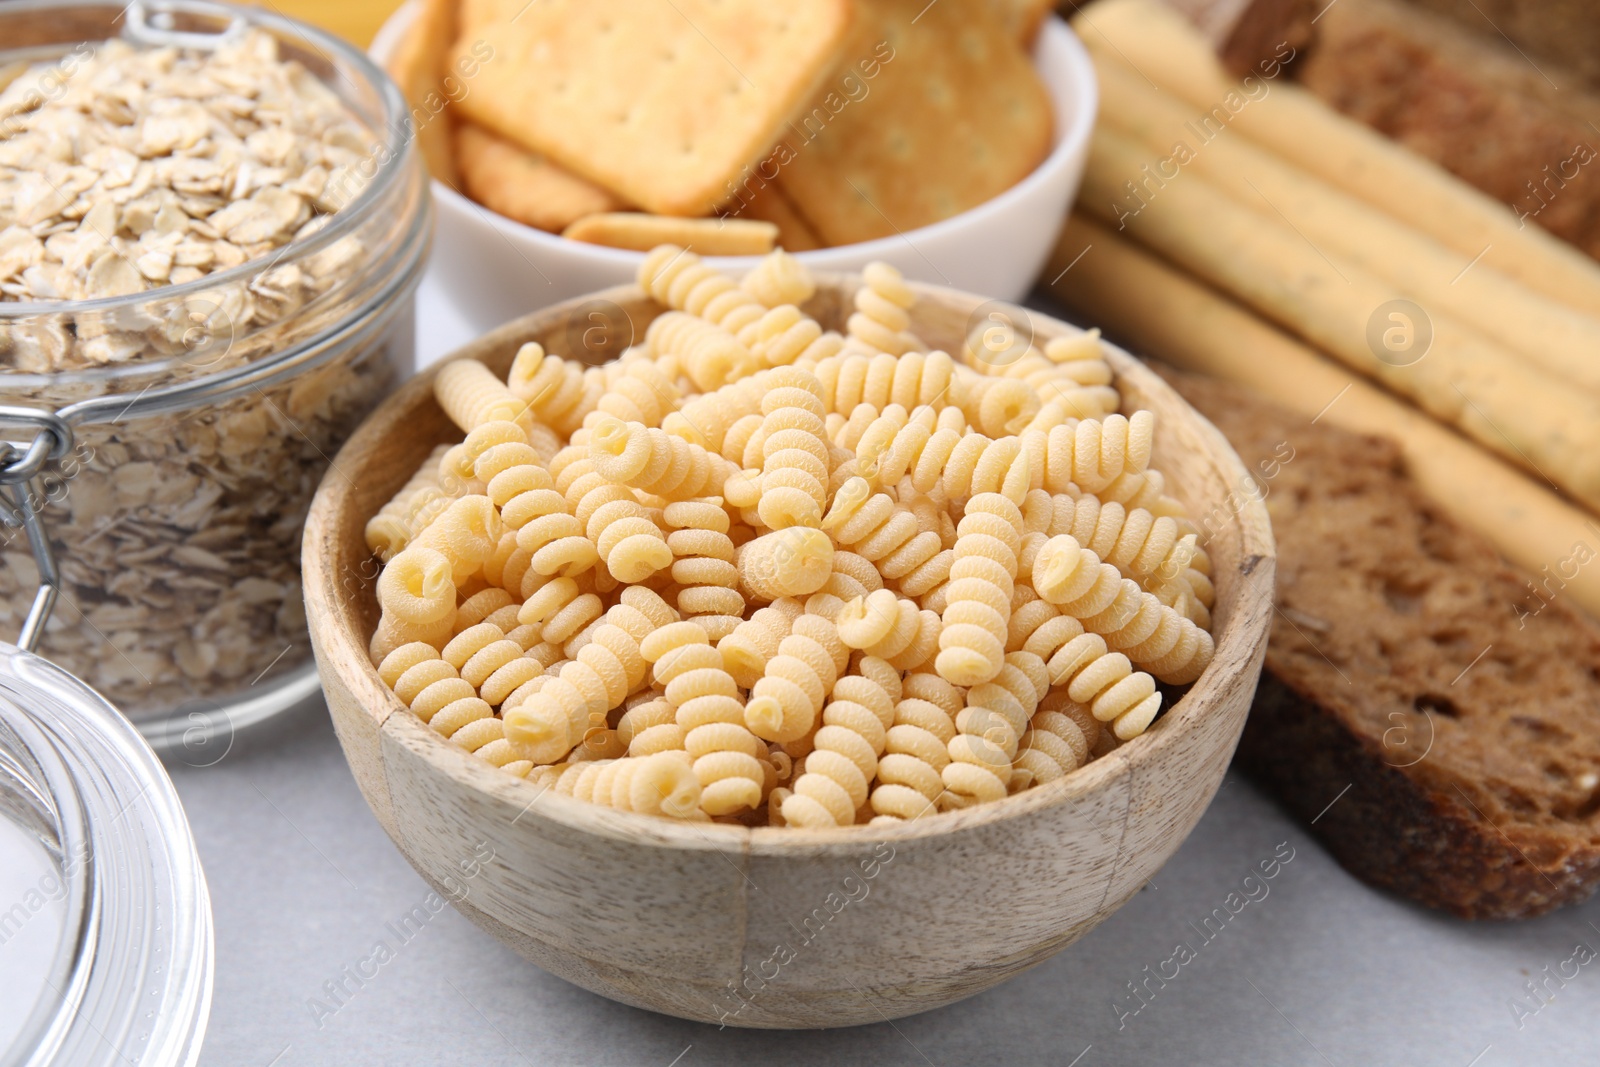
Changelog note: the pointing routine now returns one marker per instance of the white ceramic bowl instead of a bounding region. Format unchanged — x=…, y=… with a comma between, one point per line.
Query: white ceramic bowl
x=496, y=270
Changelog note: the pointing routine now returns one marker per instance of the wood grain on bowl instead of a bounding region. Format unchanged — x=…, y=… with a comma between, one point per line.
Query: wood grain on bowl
x=783, y=927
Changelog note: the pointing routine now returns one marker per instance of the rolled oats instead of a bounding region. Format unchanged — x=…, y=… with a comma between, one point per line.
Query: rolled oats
x=178, y=531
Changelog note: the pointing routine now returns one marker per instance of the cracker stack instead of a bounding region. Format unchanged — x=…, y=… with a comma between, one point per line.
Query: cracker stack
x=729, y=126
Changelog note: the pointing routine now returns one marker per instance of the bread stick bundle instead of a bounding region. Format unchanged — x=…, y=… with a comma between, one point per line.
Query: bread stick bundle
x=1173, y=317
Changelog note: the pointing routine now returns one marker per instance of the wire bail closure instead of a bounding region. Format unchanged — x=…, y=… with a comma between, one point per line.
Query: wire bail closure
x=21, y=464
x=151, y=23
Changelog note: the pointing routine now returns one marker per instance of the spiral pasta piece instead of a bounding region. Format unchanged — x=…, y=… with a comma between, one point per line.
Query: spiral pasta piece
x=978, y=603
x=710, y=355
x=417, y=587
x=491, y=662
x=641, y=391
x=883, y=625
x=1150, y=549
x=786, y=336
x=795, y=460
x=547, y=539
x=409, y=510
x=653, y=461
x=559, y=392
x=844, y=760
x=792, y=562
x=786, y=699
x=1093, y=675
x=625, y=534
x=989, y=731
x=546, y=723
x=711, y=717
x=1093, y=454
x=997, y=406
x=910, y=770
x=435, y=692
x=779, y=279
x=704, y=420
x=1060, y=739
x=679, y=279
x=973, y=463
x=703, y=567
x=465, y=533
x=881, y=322
x=471, y=395
x=754, y=641
x=872, y=525
x=1131, y=620
x=660, y=784
x=912, y=380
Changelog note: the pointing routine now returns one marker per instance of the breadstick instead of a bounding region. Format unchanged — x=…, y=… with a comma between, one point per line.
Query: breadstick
x=1164, y=49
x=1461, y=379
x=1172, y=317
x=1524, y=320
x=641, y=232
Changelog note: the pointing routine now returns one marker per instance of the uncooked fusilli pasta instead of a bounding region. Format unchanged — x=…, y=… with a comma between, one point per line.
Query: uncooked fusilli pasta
x=785, y=700
x=559, y=392
x=779, y=279
x=703, y=567
x=844, y=759
x=761, y=572
x=881, y=322
x=471, y=395
x=978, y=604
x=913, y=380
x=709, y=713
x=409, y=510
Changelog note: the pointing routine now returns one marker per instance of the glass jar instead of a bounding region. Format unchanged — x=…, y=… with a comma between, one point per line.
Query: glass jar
x=105, y=921
x=179, y=480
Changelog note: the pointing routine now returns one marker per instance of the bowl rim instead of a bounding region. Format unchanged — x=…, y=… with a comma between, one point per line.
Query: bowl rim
x=1078, y=107
x=1247, y=638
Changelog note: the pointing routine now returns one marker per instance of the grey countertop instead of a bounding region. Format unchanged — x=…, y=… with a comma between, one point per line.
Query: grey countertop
x=1315, y=968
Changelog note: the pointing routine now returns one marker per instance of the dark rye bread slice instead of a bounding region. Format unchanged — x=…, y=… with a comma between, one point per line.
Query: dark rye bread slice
x=1439, y=745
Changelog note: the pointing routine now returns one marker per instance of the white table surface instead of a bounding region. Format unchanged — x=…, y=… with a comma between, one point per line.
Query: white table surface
x=1322, y=970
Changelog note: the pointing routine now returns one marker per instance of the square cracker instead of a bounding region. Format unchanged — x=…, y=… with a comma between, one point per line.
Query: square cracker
x=521, y=185
x=418, y=67
x=661, y=101
x=935, y=110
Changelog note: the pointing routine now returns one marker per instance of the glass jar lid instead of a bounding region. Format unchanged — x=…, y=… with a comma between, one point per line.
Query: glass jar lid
x=105, y=919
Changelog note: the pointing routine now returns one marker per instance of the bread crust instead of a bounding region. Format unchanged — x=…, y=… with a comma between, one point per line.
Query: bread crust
x=1387, y=828
x=1430, y=715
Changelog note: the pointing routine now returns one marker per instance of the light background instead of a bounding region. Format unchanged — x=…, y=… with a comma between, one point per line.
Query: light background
x=1322, y=971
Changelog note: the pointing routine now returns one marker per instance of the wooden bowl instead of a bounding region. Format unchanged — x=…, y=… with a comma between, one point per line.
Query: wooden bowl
x=776, y=927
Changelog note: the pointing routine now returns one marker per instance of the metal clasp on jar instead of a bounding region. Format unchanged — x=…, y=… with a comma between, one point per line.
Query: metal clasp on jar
x=21, y=463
